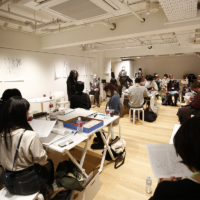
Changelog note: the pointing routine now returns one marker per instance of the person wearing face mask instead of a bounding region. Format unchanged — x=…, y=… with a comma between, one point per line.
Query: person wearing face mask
x=164, y=81
x=186, y=87
x=173, y=90
x=198, y=78
x=158, y=81
x=95, y=89
x=123, y=76
x=139, y=73
x=143, y=81
x=194, y=106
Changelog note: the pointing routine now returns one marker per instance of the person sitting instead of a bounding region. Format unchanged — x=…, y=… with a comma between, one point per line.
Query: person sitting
x=198, y=78
x=113, y=103
x=164, y=81
x=32, y=171
x=173, y=90
x=194, y=106
x=144, y=81
x=186, y=143
x=186, y=88
x=114, y=82
x=7, y=94
x=95, y=89
x=136, y=94
x=129, y=82
x=151, y=84
x=158, y=82
x=80, y=99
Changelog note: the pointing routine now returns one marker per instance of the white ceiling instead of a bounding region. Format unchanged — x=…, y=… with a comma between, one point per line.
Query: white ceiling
x=48, y=17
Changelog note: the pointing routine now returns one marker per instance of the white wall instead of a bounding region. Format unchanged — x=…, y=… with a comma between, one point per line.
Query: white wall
x=39, y=74
x=175, y=65
x=117, y=67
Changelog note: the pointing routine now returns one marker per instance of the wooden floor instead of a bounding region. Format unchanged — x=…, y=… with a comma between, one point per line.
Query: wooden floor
x=128, y=182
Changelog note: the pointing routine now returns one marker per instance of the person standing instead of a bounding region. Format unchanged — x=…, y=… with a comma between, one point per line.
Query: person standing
x=95, y=89
x=139, y=74
x=173, y=90
x=71, y=82
x=123, y=76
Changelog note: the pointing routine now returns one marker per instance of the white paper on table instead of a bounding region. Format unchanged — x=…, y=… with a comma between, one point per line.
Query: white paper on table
x=164, y=161
x=50, y=139
x=61, y=131
x=78, y=138
x=42, y=127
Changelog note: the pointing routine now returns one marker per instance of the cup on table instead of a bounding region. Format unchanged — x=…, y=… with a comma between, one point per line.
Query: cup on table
x=44, y=95
x=112, y=112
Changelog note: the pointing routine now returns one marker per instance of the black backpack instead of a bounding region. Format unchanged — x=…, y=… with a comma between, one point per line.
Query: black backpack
x=149, y=116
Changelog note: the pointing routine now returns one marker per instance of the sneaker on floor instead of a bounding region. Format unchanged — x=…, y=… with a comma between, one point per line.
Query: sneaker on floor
x=98, y=105
x=93, y=102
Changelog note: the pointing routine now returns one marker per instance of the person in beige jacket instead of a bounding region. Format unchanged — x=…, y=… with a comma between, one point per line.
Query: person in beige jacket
x=31, y=168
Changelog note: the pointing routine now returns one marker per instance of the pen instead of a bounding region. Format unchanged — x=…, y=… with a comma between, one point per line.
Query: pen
x=95, y=115
x=75, y=133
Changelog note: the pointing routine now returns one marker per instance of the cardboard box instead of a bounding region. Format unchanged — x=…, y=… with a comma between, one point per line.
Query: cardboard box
x=91, y=189
x=68, y=124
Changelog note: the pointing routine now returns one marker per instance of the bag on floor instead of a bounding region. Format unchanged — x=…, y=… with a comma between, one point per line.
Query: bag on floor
x=149, y=116
x=69, y=176
x=117, y=147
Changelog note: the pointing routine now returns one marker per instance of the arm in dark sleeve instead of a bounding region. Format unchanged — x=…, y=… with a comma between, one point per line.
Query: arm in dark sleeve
x=177, y=88
x=91, y=87
x=88, y=102
x=72, y=103
x=70, y=84
x=196, y=103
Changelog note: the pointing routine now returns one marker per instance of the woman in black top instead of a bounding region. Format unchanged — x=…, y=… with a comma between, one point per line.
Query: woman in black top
x=80, y=99
x=187, y=145
x=71, y=81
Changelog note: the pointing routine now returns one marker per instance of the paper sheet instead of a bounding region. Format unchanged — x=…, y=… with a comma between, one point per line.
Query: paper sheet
x=164, y=161
x=60, y=69
x=50, y=139
x=42, y=127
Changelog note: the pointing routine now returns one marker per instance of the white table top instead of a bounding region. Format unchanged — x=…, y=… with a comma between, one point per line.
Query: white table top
x=40, y=100
x=80, y=137
x=176, y=127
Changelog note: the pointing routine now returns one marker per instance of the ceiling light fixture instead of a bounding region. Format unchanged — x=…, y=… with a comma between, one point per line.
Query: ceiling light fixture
x=5, y=25
x=148, y=8
x=138, y=57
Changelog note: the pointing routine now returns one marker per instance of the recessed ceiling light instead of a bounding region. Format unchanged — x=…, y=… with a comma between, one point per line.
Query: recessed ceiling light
x=138, y=57
x=147, y=13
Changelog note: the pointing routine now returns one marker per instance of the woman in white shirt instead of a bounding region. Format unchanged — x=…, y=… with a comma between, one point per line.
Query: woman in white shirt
x=30, y=169
x=165, y=81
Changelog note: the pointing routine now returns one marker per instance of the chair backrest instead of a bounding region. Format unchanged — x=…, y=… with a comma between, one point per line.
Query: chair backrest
x=59, y=96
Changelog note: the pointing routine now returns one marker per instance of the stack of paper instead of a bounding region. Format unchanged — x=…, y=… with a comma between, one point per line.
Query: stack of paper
x=164, y=161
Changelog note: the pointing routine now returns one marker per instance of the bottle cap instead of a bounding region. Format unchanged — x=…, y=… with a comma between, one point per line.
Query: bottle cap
x=108, y=107
x=149, y=176
x=79, y=118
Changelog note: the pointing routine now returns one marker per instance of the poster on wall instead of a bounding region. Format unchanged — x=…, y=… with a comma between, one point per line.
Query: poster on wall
x=81, y=68
x=107, y=68
x=60, y=69
x=12, y=70
x=89, y=69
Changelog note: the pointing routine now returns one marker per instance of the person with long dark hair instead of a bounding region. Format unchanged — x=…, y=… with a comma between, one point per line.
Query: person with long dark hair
x=186, y=143
x=71, y=82
x=7, y=94
x=114, y=82
x=31, y=169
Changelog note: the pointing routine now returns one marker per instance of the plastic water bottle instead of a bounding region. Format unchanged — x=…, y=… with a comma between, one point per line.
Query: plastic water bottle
x=108, y=113
x=148, y=185
x=79, y=125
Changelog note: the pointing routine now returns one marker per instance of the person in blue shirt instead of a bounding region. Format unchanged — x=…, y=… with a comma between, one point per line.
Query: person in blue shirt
x=115, y=104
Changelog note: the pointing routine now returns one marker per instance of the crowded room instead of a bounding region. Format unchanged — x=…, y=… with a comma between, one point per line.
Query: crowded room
x=99, y=99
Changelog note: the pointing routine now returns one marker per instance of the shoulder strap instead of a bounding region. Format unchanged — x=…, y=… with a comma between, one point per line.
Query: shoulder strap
x=18, y=148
